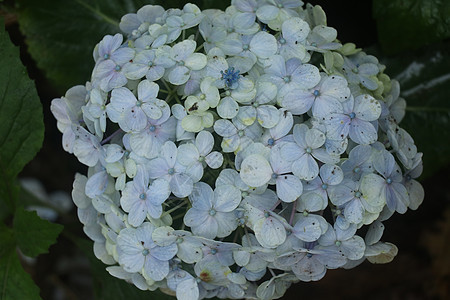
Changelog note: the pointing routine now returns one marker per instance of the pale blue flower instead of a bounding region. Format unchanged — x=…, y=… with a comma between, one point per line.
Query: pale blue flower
x=345, y=241
x=95, y=111
x=139, y=198
x=291, y=74
x=186, y=60
x=190, y=17
x=292, y=39
x=355, y=120
x=361, y=69
x=348, y=197
x=132, y=114
x=358, y=163
x=138, y=253
x=109, y=74
x=222, y=252
x=136, y=24
x=236, y=135
x=278, y=133
x=315, y=195
x=149, y=63
x=304, y=152
x=415, y=190
x=184, y=284
x=87, y=147
x=275, y=12
x=322, y=38
x=167, y=167
x=323, y=99
x=67, y=111
x=391, y=188
x=147, y=142
x=212, y=213
x=269, y=229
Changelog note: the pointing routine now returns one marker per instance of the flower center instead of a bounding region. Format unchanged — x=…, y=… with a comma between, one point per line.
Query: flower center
x=308, y=150
x=150, y=64
x=356, y=170
x=358, y=194
x=145, y=252
x=118, y=68
x=287, y=79
x=212, y=212
x=282, y=41
x=324, y=186
x=213, y=251
x=245, y=47
x=152, y=128
x=389, y=180
x=352, y=115
x=316, y=93
x=231, y=76
x=274, y=176
x=106, y=56
x=270, y=142
x=171, y=171
x=143, y=196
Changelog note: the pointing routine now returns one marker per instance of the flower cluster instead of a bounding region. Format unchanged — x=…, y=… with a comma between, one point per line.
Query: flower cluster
x=233, y=153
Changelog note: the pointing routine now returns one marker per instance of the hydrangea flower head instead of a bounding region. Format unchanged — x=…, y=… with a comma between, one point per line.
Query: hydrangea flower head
x=229, y=156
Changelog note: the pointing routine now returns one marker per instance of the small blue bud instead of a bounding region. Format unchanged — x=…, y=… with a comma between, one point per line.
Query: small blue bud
x=231, y=76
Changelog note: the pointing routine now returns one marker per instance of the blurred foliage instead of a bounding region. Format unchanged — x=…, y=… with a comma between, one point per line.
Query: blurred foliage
x=61, y=34
x=409, y=24
x=424, y=77
x=21, y=136
x=22, y=130
x=34, y=235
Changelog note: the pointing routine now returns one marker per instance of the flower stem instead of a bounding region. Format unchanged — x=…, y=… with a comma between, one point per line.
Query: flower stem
x=111, y=136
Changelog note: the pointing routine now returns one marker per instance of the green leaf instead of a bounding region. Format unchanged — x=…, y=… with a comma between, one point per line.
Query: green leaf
x=61, y=34
x=34, y=235
x=7, y=240
x=108, y=287
x=15, y=283
x=410, y=24
x=22, y=128
x=424, y=78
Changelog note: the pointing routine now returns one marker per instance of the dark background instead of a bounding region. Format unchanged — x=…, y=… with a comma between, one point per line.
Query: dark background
x=420, y=271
